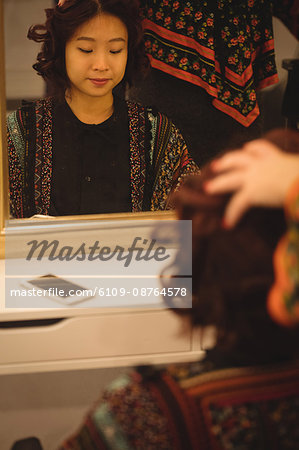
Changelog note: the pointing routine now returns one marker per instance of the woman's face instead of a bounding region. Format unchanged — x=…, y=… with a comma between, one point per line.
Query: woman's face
x=96, y=56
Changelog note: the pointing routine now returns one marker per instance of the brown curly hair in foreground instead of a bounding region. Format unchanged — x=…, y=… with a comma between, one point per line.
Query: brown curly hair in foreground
x=233, y=270
x=61, y=24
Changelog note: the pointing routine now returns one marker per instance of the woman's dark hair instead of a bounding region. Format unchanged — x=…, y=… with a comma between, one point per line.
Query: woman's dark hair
x=61, y=24
x=233, y=269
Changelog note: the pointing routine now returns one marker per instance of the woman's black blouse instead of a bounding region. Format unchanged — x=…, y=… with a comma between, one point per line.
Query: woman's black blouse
x=91, y=166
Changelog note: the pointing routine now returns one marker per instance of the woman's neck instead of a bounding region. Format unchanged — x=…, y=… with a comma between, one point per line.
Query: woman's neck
x=90, y=110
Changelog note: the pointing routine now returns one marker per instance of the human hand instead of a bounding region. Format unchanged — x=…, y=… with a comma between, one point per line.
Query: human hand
x=260, y=174
x=61, y=2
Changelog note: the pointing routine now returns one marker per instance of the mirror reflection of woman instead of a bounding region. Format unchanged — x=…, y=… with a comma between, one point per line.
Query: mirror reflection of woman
x=85, y=150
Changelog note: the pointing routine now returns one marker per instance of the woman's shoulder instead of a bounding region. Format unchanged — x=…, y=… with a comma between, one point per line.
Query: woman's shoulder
x=145, y=385
x=143, y=394
x=30, y=105
x=151, y=110
x=46, y=102
x=132, y=386
x=160, y=125
x=113, y=419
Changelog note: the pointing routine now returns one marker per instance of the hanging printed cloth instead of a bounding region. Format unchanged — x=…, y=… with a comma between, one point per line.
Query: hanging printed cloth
x=225, y=47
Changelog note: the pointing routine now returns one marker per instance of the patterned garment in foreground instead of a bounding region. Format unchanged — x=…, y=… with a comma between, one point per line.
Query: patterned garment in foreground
x=184, y=409
x=225, y=47
x=159, y=159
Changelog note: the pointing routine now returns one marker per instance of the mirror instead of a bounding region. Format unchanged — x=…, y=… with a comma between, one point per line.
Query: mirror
x=23, y=83
x=88, y=154
x=19, y=58
x=20, y=86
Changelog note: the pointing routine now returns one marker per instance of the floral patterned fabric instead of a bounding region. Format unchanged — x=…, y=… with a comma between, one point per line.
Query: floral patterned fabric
x=283, y=301
x=159, y=159
x=232, y=409
x=223, y=46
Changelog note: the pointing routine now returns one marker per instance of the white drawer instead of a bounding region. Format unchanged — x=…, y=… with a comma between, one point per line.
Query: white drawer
x=97, y=340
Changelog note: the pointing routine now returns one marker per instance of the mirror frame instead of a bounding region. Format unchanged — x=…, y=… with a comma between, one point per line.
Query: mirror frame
x=4, y=189
x=4, y=184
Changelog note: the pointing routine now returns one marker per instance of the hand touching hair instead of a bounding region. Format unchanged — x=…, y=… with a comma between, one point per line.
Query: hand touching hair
x=259, y=174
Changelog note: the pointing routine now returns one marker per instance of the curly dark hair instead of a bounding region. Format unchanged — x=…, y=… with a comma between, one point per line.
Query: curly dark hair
x=61, y=24
x=233, y=269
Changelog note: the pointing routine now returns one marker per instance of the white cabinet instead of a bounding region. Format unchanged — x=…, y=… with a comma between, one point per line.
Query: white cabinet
x=95, y=340
x=66, y=338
